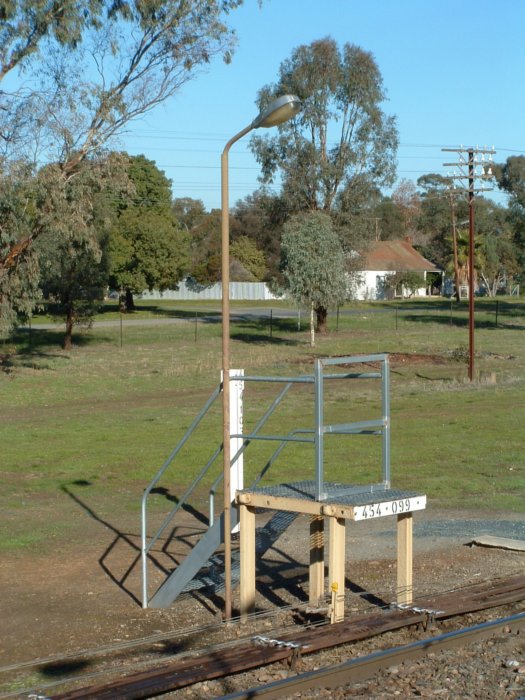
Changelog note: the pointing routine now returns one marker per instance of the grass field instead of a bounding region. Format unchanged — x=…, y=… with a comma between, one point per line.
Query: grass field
x=93, y=425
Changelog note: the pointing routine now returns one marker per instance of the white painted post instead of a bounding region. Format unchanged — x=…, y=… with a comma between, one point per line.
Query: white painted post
x=236, y=423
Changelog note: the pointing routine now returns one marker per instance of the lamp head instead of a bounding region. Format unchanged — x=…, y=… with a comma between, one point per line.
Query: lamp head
x=279, y=111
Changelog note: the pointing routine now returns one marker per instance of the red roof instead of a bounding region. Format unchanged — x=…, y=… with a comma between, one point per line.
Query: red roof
x=398, y=256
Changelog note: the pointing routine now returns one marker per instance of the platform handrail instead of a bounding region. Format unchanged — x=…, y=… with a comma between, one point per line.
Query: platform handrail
x=372, y=427
x=278, y=451
x=363, y=427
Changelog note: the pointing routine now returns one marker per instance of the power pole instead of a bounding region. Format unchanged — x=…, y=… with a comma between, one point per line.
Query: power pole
x=476, y=166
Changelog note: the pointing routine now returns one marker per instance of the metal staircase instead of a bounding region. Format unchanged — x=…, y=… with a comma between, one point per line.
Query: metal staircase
x=203, y=567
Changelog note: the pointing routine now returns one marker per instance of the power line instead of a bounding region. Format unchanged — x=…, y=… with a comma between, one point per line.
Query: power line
x=166, y=134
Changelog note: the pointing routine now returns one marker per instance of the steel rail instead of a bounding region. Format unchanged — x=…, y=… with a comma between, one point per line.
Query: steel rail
x=247, y=656
x=356, y=670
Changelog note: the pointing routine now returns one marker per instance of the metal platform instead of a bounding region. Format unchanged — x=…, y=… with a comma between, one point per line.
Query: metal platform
x=348, y=501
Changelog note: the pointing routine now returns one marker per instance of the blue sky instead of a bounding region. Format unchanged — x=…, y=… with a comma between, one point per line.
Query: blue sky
x=453, y=72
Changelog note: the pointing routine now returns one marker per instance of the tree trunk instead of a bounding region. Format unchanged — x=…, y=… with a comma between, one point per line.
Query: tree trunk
x=130, y=303
x=67, y=343
x=312, y=327
x=321, y=313
x=122, y=301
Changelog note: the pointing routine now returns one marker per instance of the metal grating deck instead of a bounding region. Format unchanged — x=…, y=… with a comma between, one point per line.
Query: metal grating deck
x=339, y=494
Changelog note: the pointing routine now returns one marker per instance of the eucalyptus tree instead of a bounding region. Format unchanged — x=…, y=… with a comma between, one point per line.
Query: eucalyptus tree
x=74, y=74
x=511, y=179
x=341, y=146
x=440, y=212
x=498, y=261
x=408, y=202
x=73, y=252
x=341, y=139
x=313, y=264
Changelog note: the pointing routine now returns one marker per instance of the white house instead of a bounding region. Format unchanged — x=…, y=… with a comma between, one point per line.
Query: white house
x=385, y=258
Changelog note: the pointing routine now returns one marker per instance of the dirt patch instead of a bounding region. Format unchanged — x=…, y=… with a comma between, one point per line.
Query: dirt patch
x=414, y=358
x=402, y=358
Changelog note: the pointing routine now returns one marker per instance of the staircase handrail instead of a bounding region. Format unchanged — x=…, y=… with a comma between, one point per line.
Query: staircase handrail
x=146, y=547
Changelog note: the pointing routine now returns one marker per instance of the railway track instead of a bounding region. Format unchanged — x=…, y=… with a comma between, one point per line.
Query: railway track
x=289, y=647
x=359, y=669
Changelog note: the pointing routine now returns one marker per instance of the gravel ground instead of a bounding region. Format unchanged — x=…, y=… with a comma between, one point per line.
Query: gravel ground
x=487, y=670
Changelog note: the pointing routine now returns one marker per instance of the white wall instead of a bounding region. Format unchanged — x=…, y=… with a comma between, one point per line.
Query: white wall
x=190, y=291
x=367, y=287
x=370, y=288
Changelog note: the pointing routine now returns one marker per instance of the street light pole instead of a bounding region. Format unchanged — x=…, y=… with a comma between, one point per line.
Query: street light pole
x=225, y=276
x=280, y=110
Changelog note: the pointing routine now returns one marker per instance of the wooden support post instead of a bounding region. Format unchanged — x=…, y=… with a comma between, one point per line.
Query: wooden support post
x=247, y=554
x=316, y=592
x=404, y=558
x=336, y=568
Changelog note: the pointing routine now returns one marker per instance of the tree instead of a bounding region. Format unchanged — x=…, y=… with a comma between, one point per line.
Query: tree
x=313, y=264
x=498, y=255
x=341, y=139
x=188, y=212
x=147, y=248
x=20, y=195
x=498, y=262
x=245, y=252
x=25, y=23
x=247, y=261
x=439, y=213
x=385, y=220
x=495, y=256
x=511, y=178
x=405, y=281
x=406, y=198
x=340, y=147
x=73, y=277
x=73, y=252
x=130, y=57
x=457, y=263
x=260, y=217
x=205, y=249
